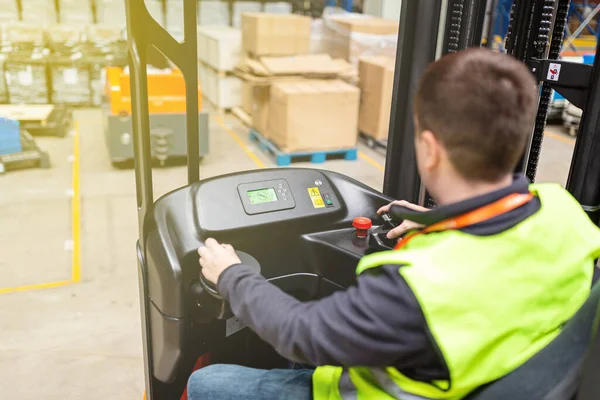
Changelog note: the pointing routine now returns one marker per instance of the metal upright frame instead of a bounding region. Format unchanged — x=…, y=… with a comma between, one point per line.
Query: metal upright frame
x=144, y=31
x=417, y=48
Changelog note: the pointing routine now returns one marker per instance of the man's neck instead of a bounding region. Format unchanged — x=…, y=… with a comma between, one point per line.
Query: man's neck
x=462, y=190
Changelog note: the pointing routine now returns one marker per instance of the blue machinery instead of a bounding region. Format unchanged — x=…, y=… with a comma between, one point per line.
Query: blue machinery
x=345, y=4
x=576, y=8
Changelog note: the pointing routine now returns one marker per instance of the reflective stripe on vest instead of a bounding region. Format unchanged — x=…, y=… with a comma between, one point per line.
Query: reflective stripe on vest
x=349, y=392
x=391, y=387
x=347, y=389
x=469, y=287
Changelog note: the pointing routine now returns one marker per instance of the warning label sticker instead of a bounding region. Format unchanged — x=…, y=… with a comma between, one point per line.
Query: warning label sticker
x=553, y=72
x=315, y=196
x=233, y=325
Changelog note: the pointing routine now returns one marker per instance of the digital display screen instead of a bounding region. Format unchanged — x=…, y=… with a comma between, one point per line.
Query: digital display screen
x=262, y=196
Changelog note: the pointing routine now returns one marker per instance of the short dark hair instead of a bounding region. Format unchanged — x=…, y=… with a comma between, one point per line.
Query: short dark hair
x=481, y=105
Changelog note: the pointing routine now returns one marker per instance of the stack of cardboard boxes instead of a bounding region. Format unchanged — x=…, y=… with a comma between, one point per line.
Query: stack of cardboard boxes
x=295, y=99
x=376, y=84
x=370, y=44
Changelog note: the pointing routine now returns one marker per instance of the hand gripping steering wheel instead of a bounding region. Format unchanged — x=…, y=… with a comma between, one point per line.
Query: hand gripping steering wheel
x=211, y=288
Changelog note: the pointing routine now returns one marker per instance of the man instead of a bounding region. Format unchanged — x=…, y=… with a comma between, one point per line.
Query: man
x=486, y=283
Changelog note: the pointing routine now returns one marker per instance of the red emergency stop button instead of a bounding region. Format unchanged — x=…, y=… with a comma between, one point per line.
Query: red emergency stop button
x=362, y=226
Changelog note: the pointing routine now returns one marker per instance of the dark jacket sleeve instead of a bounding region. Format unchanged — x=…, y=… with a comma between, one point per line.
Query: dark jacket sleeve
x=376, y=323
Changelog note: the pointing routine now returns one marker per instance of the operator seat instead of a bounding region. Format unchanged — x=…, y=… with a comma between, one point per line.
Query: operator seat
x=554, y=373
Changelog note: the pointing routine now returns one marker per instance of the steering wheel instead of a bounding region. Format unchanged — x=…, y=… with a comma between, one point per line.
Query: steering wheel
x=211, y=289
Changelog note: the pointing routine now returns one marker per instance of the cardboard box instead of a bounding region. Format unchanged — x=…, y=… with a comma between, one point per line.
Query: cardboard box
x=247, y=89
x=307, y=66
x=350, y=37
x=275, y=34
x=376, y=83
x=261, y=96
x=213, y=12
x=313, y=115
x=220, y=47
x=259, y=75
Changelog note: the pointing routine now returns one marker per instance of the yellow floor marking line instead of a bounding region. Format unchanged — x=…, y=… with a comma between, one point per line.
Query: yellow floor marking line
x=560, y=138
x=371, y=161
x=37, y=286
x=75, y=230
x=76, y=210
x=240, y=142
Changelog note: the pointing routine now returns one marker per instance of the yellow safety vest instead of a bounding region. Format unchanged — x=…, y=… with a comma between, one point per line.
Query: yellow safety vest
x=490, y=302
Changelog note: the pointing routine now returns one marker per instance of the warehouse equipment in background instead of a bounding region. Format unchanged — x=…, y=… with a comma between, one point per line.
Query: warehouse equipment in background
x=167, y=105
x=18, y=149
x=40, y=119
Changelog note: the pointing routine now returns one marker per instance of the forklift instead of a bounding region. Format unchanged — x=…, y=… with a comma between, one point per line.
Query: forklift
x=308, y=216
x=166, y=101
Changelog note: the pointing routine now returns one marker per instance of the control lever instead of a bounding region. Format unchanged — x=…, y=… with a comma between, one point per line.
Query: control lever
x=378, y=238
x=388, y=221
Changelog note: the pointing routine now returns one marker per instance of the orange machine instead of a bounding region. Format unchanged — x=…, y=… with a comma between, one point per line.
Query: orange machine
x=166, y=92
x=166, y=105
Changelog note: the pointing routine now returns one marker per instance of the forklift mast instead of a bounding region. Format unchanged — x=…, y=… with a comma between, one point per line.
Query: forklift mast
x=428, y=30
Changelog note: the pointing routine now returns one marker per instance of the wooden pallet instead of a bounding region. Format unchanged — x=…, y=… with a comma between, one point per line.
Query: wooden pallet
x=372, y=142
x=30, y=157
x=218, y=72
x=283, y=159
x=37, y=113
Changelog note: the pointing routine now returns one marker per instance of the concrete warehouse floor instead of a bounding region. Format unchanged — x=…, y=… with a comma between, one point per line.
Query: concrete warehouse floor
x=65, y=338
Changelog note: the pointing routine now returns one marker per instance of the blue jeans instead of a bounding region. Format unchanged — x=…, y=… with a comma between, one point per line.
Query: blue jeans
x=233, y=382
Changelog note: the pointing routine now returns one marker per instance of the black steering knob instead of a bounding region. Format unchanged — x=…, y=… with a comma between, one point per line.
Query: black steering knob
x=215, y=301
x=210, y=287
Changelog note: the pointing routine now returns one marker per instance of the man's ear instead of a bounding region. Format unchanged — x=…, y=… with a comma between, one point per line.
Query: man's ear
x=431, y=150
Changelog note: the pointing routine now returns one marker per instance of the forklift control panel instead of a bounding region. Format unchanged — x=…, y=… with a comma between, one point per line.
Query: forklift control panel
x=304, y=230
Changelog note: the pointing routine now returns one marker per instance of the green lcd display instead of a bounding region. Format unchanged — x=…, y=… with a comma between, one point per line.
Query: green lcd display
x=262, y=196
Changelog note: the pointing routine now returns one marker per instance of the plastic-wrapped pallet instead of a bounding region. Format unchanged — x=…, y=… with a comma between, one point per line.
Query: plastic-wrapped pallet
x=111, y=12
x=213, y=13
x=222, y=90
x=220, y=47
x=278, y=8
x=10, y=136
x=104, y=46
x=175, y=18
x=9, y=10
x=3, y=88
x=350, y=35
x=22, y=34
x=75, y=12
x=61, y=37
x=240, y=7
x=97, y=84
x=102, y=34
x=70, y=77
x=25, y=74
x=39, y=12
